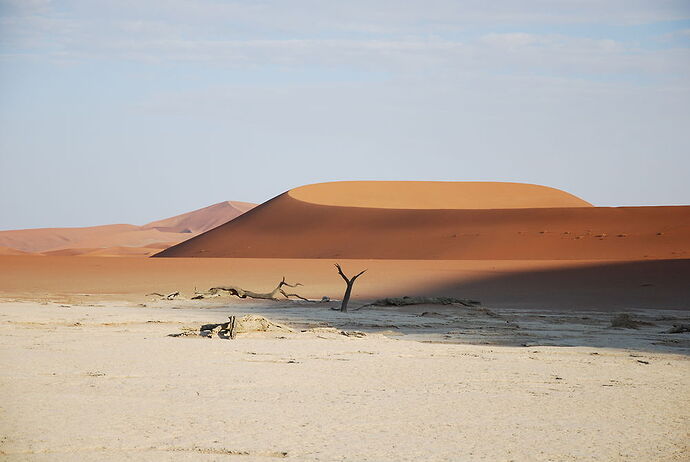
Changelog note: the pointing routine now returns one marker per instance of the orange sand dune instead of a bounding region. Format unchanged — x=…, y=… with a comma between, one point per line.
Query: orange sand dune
x=201, y=220
x=43, y=239
x=292, y=225
x=435, y=195
x=121, y=239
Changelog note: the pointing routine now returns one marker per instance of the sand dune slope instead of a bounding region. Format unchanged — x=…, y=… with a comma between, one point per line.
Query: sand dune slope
x=293, y=225
x=201, y=220
x=121, y=239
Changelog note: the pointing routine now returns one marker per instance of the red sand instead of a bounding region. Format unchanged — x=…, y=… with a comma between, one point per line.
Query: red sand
x=293, y=226
x=571, y=256
x=121, y=240
x=603, y=285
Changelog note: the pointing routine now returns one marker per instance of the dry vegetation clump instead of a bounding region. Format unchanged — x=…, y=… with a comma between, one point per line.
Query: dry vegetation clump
x=679, y=328
x=405, y=301
x=625, y=321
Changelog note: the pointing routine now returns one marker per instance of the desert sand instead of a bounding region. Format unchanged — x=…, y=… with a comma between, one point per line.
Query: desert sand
x=120, y=239
x=299, y=224
x=107, y=382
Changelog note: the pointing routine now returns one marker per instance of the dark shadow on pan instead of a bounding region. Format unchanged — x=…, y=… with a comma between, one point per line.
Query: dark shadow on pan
x=653, y=284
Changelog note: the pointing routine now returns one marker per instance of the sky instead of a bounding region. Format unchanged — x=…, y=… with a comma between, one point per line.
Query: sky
x=127, y=111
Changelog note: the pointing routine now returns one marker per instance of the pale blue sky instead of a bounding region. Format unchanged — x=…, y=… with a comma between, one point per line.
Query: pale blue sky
x=117, y=111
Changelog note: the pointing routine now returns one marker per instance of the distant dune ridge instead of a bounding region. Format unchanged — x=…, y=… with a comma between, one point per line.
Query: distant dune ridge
x=201, y=220
x=443, y=220
x=121, y=239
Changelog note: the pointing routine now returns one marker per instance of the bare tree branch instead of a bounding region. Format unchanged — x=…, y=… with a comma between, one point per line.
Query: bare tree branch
x=283, y=283
x=358, y=275
x=294, y=295
x=340, y=272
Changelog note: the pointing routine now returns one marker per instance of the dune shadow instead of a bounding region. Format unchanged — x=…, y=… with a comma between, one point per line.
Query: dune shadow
x=569, y=306
x=606, y=286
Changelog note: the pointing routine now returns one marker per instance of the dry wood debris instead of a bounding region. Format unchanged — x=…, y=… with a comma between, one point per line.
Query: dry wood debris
x=243, y=293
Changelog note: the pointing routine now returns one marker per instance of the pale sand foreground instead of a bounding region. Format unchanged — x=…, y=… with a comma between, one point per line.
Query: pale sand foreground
x=107, y=383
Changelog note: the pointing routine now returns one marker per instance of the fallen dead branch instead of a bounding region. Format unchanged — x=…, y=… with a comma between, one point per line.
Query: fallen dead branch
x=170, y=296
x=243, y=293
x=334, y=331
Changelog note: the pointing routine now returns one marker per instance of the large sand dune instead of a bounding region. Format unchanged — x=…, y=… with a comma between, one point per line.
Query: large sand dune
x=435, y=195
x=121, y=239
x=367, y=220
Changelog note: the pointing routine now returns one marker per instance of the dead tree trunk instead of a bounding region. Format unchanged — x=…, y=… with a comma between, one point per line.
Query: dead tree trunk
x=350, y=282
x=242, y=293
x=232, y=327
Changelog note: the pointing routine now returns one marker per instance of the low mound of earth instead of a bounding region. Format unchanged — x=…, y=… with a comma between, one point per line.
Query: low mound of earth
x=145, y=251
x=47, y=239
x=416, y=220
x=11, y=251
x=120, y=239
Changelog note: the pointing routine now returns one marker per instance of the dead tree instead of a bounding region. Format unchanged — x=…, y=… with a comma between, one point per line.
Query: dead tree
x=164, y=297
x=350, y=282
x=242, y=293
